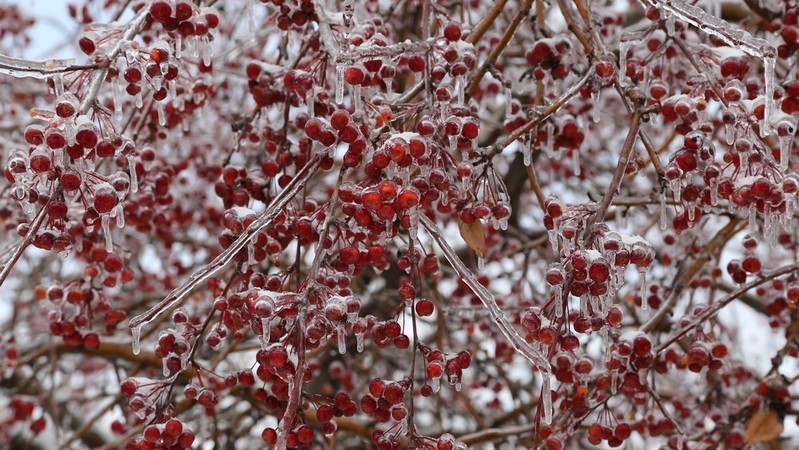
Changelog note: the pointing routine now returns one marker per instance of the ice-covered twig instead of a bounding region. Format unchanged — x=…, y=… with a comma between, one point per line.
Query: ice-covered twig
x=20, y=248
x=732, y=36
x=517, y=341
x=264, y=219
x=615, y=183
x=131, y=30
x=22, y=68
x=718, y=305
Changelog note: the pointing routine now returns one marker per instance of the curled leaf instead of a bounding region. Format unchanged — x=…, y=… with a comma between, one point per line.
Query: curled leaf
x=763, y=427
x=474, y=235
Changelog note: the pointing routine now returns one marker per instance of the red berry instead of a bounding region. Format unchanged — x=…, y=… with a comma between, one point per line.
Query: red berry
x=424, y=308
x=354, y=75
x=105, y=198
x=452, y=32
x=408, y=198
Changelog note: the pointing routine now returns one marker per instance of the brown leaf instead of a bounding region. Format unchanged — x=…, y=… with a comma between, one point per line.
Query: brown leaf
x=763, y=427
x=474, y=235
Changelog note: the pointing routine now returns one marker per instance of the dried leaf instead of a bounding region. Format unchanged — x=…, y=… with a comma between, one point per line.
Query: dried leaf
x=474, y=235
x=763, y=427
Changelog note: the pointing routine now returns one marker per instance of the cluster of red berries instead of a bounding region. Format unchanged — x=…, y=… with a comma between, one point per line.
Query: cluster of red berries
x=385, y=401
x=614, y=435
x=300, y=437
x=20, y=411
x=439, y=364
x=341, y=406
x=550, y=55
x=183, y=17
x=171, y=435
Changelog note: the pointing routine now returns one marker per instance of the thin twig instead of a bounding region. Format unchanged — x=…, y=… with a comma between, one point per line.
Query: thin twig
x=503, y=43
x=19, y=249
x=715, y=308
x=542, y=116
x=683, y=279
x=481, y=28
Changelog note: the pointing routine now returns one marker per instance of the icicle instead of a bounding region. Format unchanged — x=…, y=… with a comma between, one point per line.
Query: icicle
x=357, y=102
x=453, y=143
x=172, y=93
x=159, y=107
x=134, y=179
x=136, y=339
x=680, y=441
x=266, y=331
x=527, y=151
x=553, y=240
x=309, y=101
x=769, y=227
x=547, y=396
x=105, y=220
x=508, y=102
x=341, y=338
x=178, y=46
x=714, y=191
x=70, y=131
x=603, y=333
x=359, y=342
x=503, y=224
x=206, y=50
x=729, y=133
x=691, y=211
x=785, y=151
x=459, y=86
x=744, y=159
x=458, y=386
x=58, y=84
x=595, y=110
x=644, y=303
x=549, y=146
x=481, y=263
x=435, y=383
x=339, y=83
x=752, y=218
x=613, y=383
x=624, y=48
x=584, y=306
x=119, y=215
x=664, y=218
x=676, y=187
x=116, y=96
x=768, y=67
x=558, y=300
x=576, y=162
